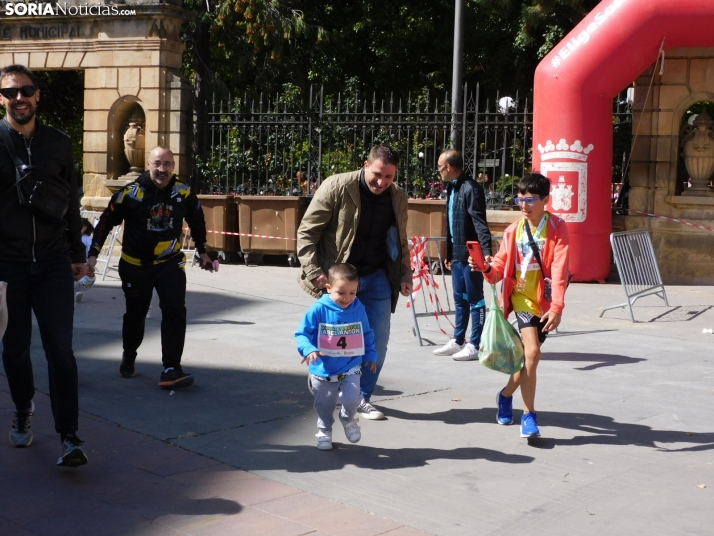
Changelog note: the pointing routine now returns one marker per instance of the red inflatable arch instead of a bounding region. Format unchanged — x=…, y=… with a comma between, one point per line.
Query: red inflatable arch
x=572, y=117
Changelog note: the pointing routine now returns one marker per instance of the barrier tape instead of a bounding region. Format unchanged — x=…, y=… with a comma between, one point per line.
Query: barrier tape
x=683, y=222
x=422, y=276
x=245, y=234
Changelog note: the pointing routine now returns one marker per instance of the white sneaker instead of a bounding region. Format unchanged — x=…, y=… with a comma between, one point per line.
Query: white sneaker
x=148, y=313
x=469, y=353
x=324, y=440
x=368, y=411
x=352, y=431
x=450, y=348
x=78, y=296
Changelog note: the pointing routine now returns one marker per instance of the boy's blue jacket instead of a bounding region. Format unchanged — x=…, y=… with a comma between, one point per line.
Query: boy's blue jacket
x=326, y=311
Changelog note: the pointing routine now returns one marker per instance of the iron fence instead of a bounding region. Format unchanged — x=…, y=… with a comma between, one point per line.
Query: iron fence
x=287, y=144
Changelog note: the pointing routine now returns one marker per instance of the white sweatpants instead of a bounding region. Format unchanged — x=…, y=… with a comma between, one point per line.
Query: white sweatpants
x=326, y=393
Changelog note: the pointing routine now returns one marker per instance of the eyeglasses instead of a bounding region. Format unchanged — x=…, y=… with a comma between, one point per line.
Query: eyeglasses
x=11, y=92
x=528, y=201
x=158, y=164
x=439, y=167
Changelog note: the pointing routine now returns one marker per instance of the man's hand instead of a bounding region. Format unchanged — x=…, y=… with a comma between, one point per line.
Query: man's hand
x=552, y=321
x=371, y=365
x=313, y=358
x=79, y=271
x=406, y=289
x=206, y=262
x=91, y=264
x=320, y=281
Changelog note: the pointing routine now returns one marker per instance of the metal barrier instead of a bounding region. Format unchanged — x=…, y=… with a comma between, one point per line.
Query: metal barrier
x=105, y=256
x=637, y=266
x=424, y=267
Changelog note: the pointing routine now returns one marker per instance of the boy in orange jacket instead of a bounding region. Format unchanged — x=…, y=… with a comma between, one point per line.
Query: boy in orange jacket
x=533, y=263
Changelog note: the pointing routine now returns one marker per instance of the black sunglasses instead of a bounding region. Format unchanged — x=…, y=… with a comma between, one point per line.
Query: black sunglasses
x=11, y=92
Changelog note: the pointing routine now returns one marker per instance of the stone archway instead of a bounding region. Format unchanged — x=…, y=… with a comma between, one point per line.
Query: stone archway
x=125, y=58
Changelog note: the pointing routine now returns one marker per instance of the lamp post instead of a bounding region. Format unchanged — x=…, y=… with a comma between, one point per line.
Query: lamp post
x=457, y=75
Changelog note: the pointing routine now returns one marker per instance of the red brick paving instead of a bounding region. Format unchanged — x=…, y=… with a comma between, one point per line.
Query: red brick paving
x=139, y=486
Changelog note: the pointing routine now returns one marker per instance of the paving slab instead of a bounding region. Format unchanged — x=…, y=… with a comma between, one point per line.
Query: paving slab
x=625, y=411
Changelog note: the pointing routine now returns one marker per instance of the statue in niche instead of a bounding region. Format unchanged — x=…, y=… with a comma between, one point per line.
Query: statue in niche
x=134, y=145
x=698, y=145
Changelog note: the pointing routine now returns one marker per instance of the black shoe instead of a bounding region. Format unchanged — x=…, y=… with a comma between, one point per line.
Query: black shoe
x=175, y=378
x=72, y=454
x=126, y=369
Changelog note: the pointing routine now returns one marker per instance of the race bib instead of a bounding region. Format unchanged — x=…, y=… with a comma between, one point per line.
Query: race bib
x=341, y=340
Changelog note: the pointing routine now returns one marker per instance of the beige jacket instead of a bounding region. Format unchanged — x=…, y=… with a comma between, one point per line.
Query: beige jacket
x=328, y=229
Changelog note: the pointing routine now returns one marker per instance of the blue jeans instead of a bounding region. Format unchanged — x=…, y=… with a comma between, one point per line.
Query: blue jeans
x=47, y=288
x=375, y=293
x=468, y=301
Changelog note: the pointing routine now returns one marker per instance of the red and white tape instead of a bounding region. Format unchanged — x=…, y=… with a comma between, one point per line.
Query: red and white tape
x=423, y=276
x=245, y=234
x=683, y=222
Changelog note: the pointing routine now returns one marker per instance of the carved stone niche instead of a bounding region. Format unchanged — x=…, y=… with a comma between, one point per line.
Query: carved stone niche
x=134, y=146
x=698, y=148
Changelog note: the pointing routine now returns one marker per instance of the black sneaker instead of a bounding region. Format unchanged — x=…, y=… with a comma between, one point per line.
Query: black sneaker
x=175, y=378
x=126, y=369
x=21, y=431
x=72, y=453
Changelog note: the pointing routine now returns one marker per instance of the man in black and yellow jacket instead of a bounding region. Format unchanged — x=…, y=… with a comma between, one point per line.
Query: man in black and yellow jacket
x=153, y=209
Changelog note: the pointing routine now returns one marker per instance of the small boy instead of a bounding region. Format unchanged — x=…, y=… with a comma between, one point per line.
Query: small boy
x=533, y=263
x=84, y=284
x=336, y=340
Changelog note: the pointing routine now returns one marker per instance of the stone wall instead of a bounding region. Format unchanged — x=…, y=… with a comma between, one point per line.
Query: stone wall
x=685, y=254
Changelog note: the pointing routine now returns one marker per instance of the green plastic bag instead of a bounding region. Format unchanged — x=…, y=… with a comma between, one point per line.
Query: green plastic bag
x=501, y=347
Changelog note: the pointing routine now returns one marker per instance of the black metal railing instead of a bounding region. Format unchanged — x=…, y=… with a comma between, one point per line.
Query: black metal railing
x=287, y=145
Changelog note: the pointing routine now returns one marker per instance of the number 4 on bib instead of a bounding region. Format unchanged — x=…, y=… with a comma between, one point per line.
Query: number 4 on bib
x=341, y=340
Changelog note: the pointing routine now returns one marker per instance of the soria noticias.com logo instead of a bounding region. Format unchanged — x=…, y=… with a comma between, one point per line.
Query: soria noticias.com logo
x=64, y=9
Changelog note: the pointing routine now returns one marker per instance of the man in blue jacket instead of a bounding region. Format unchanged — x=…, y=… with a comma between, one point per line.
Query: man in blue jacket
x=465, y=221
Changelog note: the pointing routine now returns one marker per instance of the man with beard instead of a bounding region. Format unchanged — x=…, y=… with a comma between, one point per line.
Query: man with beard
x=153, y=209
x=39, y=257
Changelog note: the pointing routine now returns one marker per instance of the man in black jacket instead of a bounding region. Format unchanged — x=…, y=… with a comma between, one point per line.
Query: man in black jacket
x=39, y=257
x=153, y=209
x=465, y=221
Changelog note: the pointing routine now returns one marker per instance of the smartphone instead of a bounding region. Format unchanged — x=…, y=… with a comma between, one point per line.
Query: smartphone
x=476, y=254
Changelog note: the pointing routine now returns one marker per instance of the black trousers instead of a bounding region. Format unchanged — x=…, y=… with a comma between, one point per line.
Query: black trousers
x=47, y=288
x=138, y=283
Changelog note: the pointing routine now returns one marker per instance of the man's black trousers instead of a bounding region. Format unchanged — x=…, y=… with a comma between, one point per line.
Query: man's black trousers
x=138, y=283
x=47, y=288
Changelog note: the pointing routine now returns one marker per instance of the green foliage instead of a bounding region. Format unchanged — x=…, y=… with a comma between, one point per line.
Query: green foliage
x=62, y=106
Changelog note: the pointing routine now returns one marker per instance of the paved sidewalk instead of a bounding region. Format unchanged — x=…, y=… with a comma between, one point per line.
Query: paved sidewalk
x=625, y=410
x=137, y=485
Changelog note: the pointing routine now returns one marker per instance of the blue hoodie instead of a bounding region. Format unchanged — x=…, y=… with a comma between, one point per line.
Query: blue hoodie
x=328, y=312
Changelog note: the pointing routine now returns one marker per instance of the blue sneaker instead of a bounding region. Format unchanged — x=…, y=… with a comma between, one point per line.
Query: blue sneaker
x=529, y=425
x=504, y=415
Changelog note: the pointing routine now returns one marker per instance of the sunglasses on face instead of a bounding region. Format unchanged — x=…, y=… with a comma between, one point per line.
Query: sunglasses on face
x=528, y=201
x=11, y=92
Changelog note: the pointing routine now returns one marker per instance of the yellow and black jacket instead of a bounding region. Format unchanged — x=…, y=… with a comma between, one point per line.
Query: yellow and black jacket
x=153, y=219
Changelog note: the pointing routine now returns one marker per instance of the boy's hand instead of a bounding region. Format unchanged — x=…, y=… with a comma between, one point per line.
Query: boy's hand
x=371, y=365
x=552, y=321
x=486, y=264
x=313, y=358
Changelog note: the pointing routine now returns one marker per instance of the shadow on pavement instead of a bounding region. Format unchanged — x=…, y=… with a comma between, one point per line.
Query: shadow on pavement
x=604, y=430
x=307, y=459
x=597, y=360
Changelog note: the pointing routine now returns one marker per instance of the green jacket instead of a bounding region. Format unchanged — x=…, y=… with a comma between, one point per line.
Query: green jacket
x=328, y=229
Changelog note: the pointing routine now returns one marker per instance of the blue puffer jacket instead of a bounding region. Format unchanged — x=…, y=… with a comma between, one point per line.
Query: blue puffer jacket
x=328, y=312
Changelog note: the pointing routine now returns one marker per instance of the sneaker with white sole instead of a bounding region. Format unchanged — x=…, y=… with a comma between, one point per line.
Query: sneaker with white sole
x=468, y=353
x=78, y=296
x=352, y=431
x=529, y=425
x=368, y=411
x=504, y=414
x=21, y=431
x=450, y=348
x=324, y=440
x=72, y=454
